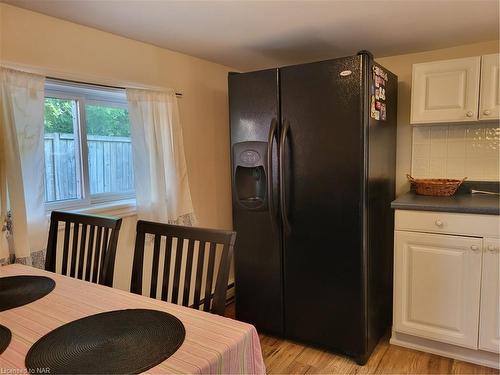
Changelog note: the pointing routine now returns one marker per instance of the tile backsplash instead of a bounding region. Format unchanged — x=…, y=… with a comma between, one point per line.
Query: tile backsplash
x=456, y=151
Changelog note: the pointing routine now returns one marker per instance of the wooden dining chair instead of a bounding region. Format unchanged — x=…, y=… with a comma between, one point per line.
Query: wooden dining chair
x=209, y=241
x=94, y=250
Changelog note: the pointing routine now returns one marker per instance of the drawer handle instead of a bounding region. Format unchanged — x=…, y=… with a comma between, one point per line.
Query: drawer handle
x=469, y=114
x=474, y=247
x=439, y=223
x=487, y=112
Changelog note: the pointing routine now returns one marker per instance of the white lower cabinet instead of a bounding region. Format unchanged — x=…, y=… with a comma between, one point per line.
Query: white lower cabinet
x=489, y=328
x=437, y=284
x=446, y=285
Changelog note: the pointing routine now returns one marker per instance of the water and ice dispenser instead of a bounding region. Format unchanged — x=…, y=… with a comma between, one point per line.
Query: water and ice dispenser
x=250, y=174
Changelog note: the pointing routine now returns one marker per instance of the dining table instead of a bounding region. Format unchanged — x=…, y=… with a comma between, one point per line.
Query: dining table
x=213, y=344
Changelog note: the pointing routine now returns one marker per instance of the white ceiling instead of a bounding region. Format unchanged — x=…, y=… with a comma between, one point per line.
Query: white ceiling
x=258, y=34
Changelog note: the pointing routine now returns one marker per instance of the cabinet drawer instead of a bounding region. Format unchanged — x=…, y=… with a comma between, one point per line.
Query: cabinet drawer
x=446, y=222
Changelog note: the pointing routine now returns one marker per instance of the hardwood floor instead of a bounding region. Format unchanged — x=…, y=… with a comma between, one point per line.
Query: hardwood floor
x=287, y=357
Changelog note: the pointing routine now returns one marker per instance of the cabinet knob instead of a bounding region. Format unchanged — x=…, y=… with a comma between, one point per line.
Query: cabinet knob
x=469, y=114
x=474, y=247
x=439, y=223
x=486, y=112
x=492, y=248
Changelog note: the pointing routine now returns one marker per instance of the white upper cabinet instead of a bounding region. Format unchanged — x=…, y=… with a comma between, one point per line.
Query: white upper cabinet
x=489, y=108
x=446, y=91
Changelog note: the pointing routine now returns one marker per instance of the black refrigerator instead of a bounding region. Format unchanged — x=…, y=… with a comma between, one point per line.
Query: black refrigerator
x=313, y=150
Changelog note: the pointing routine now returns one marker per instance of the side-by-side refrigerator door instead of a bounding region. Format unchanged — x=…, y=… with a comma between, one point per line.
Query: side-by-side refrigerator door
x=254, y=121
x=322, y=162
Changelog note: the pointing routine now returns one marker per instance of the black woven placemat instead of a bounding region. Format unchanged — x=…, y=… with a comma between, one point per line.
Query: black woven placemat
x=115, y=342
x=5, y=337
x=16, y=291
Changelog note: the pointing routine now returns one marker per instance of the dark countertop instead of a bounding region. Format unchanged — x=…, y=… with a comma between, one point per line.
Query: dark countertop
x=464, y=202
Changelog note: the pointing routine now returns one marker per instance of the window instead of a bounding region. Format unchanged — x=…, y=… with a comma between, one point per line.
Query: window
x=88, y=152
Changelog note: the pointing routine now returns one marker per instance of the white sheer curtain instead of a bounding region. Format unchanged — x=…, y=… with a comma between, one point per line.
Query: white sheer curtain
x=22, y=210
x=161, y=180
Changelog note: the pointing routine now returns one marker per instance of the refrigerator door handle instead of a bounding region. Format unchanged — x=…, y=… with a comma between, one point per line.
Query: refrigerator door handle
x=284, y=216
x=270, y=195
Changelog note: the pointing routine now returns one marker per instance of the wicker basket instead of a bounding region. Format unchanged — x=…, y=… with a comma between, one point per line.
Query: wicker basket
x=438, y=187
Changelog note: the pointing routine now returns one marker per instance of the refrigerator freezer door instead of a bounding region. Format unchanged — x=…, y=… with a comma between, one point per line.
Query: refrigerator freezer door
x=254, y=113
x=323, y=186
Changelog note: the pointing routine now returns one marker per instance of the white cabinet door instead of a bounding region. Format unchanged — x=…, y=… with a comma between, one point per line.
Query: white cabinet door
x=489, y=108
x=489, y=321
x=437, y=280
x=445, y=91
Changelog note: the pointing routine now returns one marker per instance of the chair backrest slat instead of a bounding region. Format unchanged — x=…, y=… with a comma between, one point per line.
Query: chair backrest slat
x=109, y=260
x=90, y=260
x=82, y=250
x=156, y=264
x=67, y=227
x=187, y=273
x=74, y=249
x=104, y=251
x=136, y=283
x=177, y=269
x=166, y=268
x=90, y=251
x=210, y=275
x=97, y=254
x=186, y=238
x=199, y=274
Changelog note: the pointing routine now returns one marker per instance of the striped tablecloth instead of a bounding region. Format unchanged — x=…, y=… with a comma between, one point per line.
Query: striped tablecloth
x=213, y=344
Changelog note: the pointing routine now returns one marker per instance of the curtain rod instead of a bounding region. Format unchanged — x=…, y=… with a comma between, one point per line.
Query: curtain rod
x=178, y=94
x=77, y=78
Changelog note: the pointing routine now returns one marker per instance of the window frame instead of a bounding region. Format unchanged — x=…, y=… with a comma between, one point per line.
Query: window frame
x=77, y=92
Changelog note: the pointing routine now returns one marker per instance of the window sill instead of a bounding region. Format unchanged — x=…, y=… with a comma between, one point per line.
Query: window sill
x=121, y=208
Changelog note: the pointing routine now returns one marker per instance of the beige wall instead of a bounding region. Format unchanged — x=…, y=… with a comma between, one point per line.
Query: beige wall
x=401, y=65
x=37, y=40
x=67, y=49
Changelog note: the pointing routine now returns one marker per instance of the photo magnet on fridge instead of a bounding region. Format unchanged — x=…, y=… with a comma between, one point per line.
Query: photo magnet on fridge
x=374, y=113
x=381, y=93
x=382, y=112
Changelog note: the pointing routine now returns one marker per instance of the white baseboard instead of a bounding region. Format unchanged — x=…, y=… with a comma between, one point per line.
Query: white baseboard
x=479, y=357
